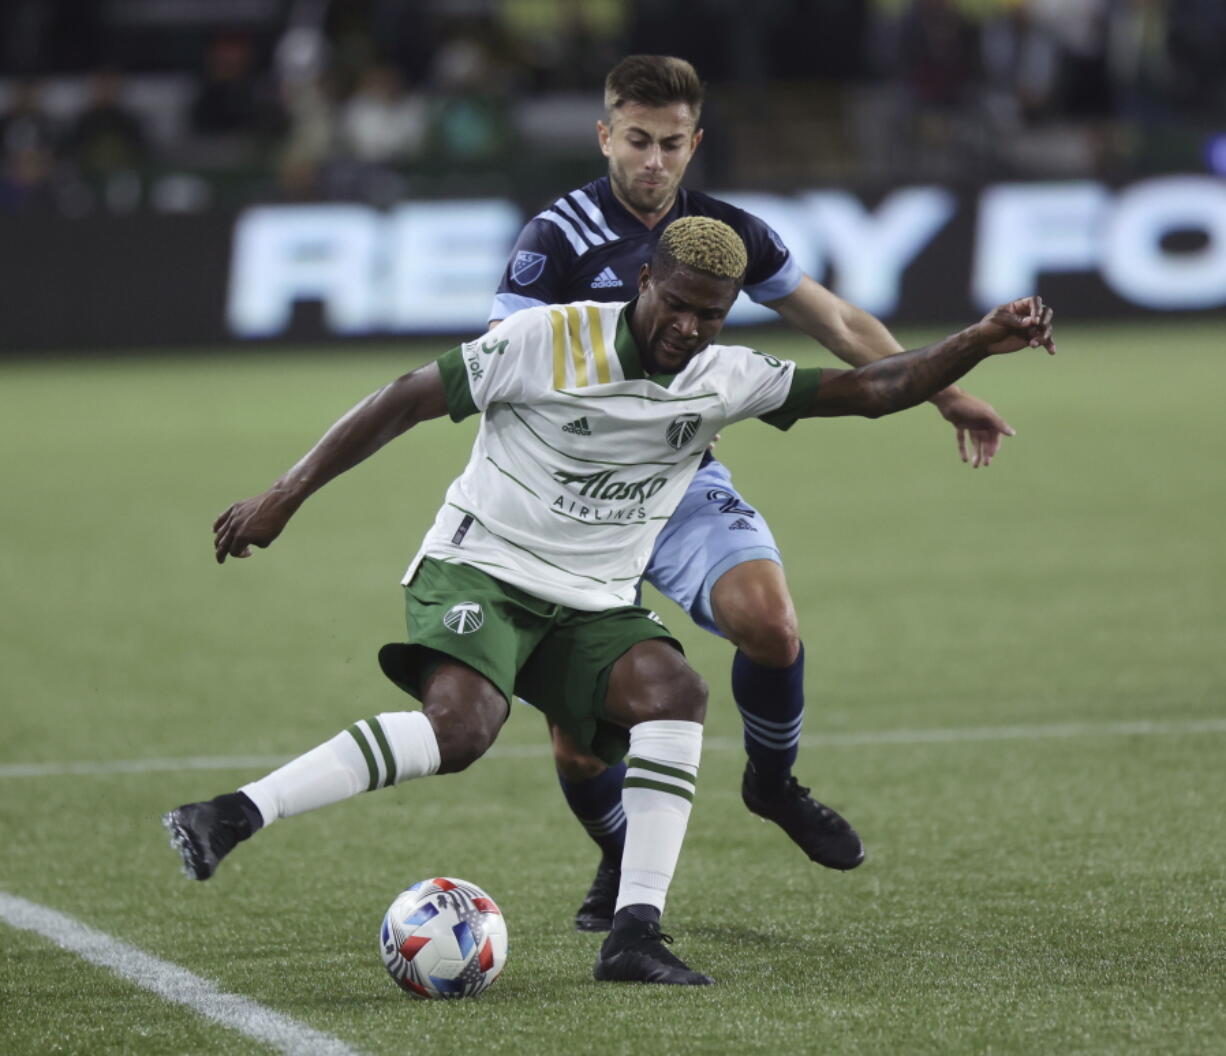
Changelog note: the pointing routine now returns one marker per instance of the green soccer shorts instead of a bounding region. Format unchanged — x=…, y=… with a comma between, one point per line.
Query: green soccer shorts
x=555, y=657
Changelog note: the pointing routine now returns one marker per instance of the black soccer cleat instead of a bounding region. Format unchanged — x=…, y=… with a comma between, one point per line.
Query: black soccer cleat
x=204, y=833
x=635, y=952
x=596, y=913
x=823, y=834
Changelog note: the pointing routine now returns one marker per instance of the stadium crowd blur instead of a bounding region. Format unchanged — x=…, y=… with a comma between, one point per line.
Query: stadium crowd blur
x=181, y=105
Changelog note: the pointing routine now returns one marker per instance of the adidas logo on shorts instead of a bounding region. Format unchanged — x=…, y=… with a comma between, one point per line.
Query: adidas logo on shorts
x=605, y=280
x=578, y=427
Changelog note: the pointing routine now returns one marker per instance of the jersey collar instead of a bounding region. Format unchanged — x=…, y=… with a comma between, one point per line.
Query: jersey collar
x=628, y=353
x=624, y=221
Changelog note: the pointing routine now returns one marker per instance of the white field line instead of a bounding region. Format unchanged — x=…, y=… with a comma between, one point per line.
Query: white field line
x=951, y=735
x=171, y=982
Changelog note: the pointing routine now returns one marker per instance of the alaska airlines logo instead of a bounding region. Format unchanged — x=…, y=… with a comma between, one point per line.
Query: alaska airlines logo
x=681, y=430
x=464, y=618
x=604, y=485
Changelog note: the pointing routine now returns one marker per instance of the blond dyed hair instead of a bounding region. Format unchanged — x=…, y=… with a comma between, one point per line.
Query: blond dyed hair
x=703, y=244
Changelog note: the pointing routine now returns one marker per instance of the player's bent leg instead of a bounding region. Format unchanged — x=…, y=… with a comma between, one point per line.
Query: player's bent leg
x=593, y=792
x=466, y=711
x=752, y=606
x=373, y=753
x=753, y=609
x=662, y=700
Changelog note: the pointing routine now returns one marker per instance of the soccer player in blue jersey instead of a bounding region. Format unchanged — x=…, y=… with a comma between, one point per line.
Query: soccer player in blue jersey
x=716, y=558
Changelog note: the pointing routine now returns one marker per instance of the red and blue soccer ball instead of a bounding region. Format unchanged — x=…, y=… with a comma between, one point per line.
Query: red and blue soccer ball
x=443, y=938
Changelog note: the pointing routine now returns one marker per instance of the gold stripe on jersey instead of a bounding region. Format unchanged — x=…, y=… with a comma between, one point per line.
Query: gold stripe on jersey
x=596, y=330
x=558, y=323
x=566, y=325
x=577, y=354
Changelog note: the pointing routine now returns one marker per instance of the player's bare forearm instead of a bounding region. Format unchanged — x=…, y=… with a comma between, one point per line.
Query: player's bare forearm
x=363, y=430
x=903, y=380
x=854, y=335
x=900, y=381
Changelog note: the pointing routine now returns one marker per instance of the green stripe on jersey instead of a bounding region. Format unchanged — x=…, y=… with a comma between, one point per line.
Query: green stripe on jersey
x=634, y=763
x=593, y=396
x=530, y=553
x=658, y=786
x=576, y=458
x=511, y=476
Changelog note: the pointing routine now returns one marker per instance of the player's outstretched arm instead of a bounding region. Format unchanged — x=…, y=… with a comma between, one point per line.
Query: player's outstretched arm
x=859, y=338
x=908, y=378
x=378, y=419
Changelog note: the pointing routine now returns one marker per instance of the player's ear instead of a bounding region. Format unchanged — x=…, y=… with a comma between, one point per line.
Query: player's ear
x=603, y=133
x=644, y=277
x=697, y=139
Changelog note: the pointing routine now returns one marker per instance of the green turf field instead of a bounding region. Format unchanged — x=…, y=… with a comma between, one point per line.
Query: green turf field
x=1016, y=675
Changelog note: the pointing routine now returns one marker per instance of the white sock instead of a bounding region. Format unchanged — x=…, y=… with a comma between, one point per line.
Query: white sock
x=657, y=793
x=374, y=753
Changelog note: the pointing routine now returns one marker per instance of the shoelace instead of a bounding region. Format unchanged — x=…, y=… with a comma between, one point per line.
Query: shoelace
x=655, y=934
x=798, y=790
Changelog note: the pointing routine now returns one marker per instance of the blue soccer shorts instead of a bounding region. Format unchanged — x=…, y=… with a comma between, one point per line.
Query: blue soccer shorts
x=713, y=530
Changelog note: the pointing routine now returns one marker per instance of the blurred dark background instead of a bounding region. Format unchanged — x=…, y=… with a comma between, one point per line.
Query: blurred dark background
x=185, y=105
x=177, y=172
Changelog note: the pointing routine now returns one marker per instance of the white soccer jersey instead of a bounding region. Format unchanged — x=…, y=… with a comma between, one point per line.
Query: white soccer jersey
x=580, y=458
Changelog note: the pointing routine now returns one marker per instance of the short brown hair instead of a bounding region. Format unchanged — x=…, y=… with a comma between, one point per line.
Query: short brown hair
x=703, y=244
x=653, y=80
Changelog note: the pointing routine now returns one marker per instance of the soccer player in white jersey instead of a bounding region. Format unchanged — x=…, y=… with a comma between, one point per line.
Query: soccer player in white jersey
x=717, y=557
x=594, y=417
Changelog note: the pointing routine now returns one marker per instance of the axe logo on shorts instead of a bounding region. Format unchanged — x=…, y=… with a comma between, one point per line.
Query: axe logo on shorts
x=681, y=430
x=464, y=618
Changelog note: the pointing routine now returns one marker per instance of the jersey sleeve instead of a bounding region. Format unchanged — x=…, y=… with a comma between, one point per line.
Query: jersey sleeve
x=536, y=270
x=805, y=382
x=513, y=363
x=772, y=272
x=754, y=383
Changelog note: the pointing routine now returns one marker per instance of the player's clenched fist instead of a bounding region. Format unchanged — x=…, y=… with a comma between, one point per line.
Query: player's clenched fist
x=1018, y=324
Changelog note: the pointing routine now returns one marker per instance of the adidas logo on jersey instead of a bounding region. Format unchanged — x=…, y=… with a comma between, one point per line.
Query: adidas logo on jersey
x=578, y=427
x=741, y=525
x=605, y=280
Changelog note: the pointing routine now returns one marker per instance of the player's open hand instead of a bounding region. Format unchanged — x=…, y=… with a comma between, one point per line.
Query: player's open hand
x=253, y=522
x=976, y=421
x=1018, y=324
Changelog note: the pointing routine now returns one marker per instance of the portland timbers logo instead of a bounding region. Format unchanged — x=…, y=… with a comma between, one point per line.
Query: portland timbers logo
x=464, y=618
x=681, y=430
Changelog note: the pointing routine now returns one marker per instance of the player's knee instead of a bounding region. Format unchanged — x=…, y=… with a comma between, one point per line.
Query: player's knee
x=652, y=681
x=573, y=765
x=464, y=736
x=466, y=722
x=752, y=606
x=683, y=696
x=773, y=641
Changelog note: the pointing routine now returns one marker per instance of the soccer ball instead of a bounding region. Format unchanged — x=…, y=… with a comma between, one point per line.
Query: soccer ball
x=443, y=938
